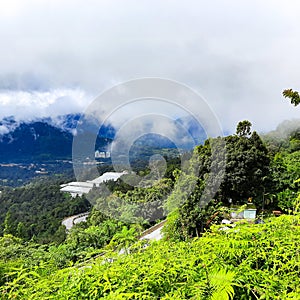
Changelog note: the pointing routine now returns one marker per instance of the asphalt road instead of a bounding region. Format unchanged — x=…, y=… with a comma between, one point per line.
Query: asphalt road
x=71, y=221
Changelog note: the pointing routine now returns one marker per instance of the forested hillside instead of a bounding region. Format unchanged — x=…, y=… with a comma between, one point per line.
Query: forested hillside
x=198, y=258
x=34, y=212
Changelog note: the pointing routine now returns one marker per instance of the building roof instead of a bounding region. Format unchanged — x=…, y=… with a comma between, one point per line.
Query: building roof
x=80, y=184
x=107, y=176
x=76, y=189
x=80, y=188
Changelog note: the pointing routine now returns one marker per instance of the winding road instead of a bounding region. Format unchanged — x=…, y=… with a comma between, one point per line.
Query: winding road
x=69, y=222
x=153, y=233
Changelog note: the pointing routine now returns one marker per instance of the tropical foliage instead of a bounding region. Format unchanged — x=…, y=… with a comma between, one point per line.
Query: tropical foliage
x=243, y=262
x=292, y=95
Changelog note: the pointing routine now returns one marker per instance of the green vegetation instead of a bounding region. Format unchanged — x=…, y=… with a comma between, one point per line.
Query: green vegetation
x=35, y=211
x=244, y=262
x=292, y=95
x=18, y=174
x=197, y=259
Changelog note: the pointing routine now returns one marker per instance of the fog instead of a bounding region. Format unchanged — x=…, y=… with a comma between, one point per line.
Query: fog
x=56, y=57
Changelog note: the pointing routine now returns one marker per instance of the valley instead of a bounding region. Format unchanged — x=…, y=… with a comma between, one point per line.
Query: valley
x=18, y=174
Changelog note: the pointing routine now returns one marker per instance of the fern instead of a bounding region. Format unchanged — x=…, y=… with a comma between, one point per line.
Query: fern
x=222, y=285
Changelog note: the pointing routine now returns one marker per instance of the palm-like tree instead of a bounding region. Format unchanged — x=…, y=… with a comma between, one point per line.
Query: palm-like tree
x=292, y=95
x=124, y=238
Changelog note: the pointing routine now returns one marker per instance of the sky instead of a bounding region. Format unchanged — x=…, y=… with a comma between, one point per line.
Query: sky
x=56, y=57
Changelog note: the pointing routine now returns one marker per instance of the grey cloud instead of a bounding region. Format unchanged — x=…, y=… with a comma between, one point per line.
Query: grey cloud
x=239, y=55
x=31, y=105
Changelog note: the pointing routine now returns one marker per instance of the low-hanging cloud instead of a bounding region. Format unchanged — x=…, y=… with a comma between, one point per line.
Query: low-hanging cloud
x=56, y=56
x=32, y=105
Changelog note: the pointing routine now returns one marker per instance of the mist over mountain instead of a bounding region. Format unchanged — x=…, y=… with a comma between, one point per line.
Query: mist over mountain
x=35, y=141
x=284, y=129
x=40, y=140
x=194, y=129
x=52, y=138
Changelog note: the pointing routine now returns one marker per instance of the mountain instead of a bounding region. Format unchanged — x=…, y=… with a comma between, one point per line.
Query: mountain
x=193, y=129
x=51, y=138
x=42, y=140
x=35, y=141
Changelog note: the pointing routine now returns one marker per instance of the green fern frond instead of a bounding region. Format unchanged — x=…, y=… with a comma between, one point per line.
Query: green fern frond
x=222, y=285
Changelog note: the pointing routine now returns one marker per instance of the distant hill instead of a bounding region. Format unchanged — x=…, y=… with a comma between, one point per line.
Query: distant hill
x=42, y=140
x=35, y=141
x=194, y=129
x=51, y=138
x=283, y=135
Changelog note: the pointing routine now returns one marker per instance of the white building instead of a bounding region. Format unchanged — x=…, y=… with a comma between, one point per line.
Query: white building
x=77, y=188
x=102, y=154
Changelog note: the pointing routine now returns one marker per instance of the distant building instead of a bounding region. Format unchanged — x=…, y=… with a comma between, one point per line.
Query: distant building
x=102, y=154
x=77, y=188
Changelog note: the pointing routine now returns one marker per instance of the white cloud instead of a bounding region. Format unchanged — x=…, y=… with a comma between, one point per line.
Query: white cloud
x=32, y=105
x=239, y=55
x=3, y=129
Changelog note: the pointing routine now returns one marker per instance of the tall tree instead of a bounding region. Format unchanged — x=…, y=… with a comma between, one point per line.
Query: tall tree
x=243, y=128
x=8, y=224
x=247, y=167
x=292, y=95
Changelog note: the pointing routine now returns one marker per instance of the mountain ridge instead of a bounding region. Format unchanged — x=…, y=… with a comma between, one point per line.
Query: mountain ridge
x=45, y=139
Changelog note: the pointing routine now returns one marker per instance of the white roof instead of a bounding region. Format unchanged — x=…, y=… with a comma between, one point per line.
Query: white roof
x=76, y=189
x=80, y=188
x=80, y=184
x=107, y=176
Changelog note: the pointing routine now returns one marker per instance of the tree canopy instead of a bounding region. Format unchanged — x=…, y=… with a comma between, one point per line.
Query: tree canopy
x=292, y=95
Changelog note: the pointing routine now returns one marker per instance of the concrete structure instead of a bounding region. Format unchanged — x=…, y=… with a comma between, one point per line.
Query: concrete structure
x=106, y=177
x=153, y=233
x=250, y=213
